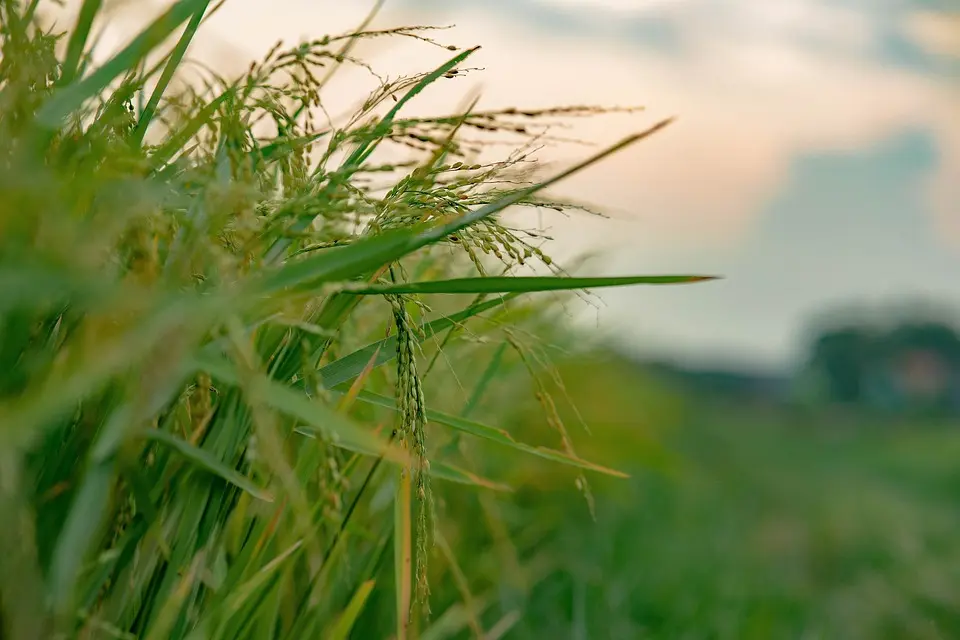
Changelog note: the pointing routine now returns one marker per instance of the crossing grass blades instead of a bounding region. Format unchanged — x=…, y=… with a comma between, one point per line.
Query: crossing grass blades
x=194, y=290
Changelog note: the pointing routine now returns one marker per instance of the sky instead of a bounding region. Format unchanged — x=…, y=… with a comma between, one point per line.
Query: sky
x=815, y=159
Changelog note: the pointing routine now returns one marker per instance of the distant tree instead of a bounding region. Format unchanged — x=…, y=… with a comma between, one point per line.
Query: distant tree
x=870, y=364
x=843, y=357
x=934, y=337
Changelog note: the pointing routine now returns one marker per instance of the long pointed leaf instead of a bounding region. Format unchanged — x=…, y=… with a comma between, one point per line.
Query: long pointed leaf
x=383, y=127
x=402, y=552
x=494, y=435
x=296, y=404
x=207, y=462
x=69, y=98
x=451, y=473
x=484, y=381
x=364, y=256
x=363, y=151
x=520, y=284
x=341, y=631
x=350, y=366
x=176, y=57
x=78, y=40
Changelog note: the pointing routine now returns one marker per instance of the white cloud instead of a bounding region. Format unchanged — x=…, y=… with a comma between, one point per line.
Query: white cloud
x=619, y=6
x=936, y=32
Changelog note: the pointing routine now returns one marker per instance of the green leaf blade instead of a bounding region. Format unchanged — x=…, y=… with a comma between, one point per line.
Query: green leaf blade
x=519, y=284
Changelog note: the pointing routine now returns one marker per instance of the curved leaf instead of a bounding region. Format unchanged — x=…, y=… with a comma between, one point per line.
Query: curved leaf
x=206, y=461
x=495, y=435
x=518, y=284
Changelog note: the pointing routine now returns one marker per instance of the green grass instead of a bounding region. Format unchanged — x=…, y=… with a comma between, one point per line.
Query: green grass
x=200, y=292
x=256, y=382
x=760, y=523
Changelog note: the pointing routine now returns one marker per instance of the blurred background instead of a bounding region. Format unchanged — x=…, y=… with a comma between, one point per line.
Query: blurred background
x=815, y=161
x=792, y=430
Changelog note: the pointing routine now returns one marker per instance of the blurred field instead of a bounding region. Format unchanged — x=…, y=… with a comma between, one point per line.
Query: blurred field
x=765, y=524
x=239, y=346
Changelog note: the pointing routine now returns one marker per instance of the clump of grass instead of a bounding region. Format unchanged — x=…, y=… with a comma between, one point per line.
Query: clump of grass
x=192, y=441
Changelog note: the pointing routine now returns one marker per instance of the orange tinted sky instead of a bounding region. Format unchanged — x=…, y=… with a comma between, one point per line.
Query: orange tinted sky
x=798, y=167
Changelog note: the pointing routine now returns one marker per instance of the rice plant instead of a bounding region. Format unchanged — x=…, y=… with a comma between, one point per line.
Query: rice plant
x=199, y=290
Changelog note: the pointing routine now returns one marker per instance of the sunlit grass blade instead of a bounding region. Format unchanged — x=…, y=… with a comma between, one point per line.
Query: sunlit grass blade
x=494, y=435
x=85, y=520
x=21, y=582
x=383, y=126
x=484, y=381
x=341, y=630
x=452, y=473
x=350, y=365
x=296, y=404
x=366, y=255
x=70, y=97
x=173, y=62
x=78, y=40
x=519, y=284
x=204, y=460
x=348, y=399
x=370, y=142
x=403, y=551
x=175, y=142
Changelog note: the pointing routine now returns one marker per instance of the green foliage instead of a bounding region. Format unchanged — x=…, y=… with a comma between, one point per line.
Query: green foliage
x=193, y=413
x=739, y=522
x=898, y=366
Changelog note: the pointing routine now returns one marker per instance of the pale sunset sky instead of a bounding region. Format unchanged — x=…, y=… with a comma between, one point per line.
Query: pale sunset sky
x=815, y=158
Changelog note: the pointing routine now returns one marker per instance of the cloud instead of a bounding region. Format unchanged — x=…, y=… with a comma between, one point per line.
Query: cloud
x=936, y=32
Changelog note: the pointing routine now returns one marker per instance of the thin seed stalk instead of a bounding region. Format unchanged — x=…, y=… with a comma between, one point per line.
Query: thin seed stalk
x=411, y=432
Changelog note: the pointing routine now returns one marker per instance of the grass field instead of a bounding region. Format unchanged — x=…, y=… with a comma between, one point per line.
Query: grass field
x=764, y=524
x=245, y=343
x=257, y=382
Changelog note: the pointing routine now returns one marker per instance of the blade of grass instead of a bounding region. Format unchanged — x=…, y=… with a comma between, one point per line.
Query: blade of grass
x=446, y=471
x=70, y=97
x=348, y=399
x=383, y=127
x=78, y=40
x=494, y=435
x=520, y=284
x=175, y=142
x=463, y=586
x=206, y=461
x=246, y=590
x=451, y=473
x=350, y=366
x=484, y=381
x=403, y=552
x=296, y=404
x=167, y=616
x=21, y=583
x=341, y=630
x=84, y=521
x=366, y=147
x=366, y=255
x=176, y=57
x=94, y=363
